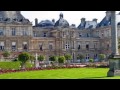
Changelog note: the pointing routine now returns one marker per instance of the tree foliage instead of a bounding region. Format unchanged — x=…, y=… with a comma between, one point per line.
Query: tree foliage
x=32, y=57
x=23, y=57
x=53, y=58
x=101, y=57
x=80, y=56
x=6, y=54
x=41, y=58
x=68, y=57
x=61, y=59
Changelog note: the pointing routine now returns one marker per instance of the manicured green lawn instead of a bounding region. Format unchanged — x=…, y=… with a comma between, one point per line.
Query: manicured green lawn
x=13, y=65
x=74, y=73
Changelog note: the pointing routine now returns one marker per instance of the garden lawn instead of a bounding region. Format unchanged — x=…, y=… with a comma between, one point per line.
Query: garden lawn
x=13, y=65
x=73, y=73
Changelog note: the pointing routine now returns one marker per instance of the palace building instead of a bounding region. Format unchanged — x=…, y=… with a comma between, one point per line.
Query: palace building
x=90, y=38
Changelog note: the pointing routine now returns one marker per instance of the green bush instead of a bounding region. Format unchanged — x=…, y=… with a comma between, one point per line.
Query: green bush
x=23, y=58
x=91, y=60
x=61, y=59
x=101, y=57
x=68, y=57
x=53, y=58
x=41, y=58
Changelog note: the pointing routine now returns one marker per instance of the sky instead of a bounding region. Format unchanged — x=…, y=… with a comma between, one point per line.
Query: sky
x=73, y=17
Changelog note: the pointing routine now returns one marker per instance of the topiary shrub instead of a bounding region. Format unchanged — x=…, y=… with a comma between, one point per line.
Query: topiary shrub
x=91, y=60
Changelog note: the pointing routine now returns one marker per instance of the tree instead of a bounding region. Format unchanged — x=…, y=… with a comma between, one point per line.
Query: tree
x=53, y=59
x=32, y=58
x=23, y=58
x=6, y=54
x=68, y=57
x=61, y=59
x=101, y=57
x=81, y=57
x=41, y=58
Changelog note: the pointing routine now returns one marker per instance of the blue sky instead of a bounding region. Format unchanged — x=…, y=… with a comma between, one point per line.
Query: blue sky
x=73, y=17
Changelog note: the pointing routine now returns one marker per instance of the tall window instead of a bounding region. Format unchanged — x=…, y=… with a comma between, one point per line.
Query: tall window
x=13, y=32
x=1, y=32
x=95, y=45
x=108, y=46
x=34, y=34
x=87, y=46
x=13, y=46
x=63, y=34
x=50, y=47
x=44, y=34
x=102, y=34
x=95, y=56
x=79, y=47
x=1, y=46
x=67, y=46
x=25, y=47
x=24, y=32
x=41, y=47
x=1, y=18
x=87, y=56
x=80, y=35
x=87, y=35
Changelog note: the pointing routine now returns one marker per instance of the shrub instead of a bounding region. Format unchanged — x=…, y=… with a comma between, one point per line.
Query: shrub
x=91, y=60
x=81, y=57
x=53, y=58
x=102, y=57
x=6, y=54
x=61, y=59
x=41, y=58
x=23, y=58
x=68, y=57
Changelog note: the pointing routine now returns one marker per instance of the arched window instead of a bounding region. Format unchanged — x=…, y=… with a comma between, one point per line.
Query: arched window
x=87, y=46
x=13, y=46
x=25, y=47
x=1, y=46
x=13, y=32
x=41, y=47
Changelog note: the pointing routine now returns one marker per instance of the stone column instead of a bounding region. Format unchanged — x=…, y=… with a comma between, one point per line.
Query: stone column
x=114, y=35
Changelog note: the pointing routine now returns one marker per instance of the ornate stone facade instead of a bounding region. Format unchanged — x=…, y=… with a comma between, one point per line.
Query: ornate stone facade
x=55, y=38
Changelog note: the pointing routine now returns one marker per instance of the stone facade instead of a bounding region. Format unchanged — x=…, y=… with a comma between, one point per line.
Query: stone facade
x=48, y=38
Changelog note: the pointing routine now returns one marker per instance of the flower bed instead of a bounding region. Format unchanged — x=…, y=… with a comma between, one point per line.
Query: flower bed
x=42, y=68
x=96, y=65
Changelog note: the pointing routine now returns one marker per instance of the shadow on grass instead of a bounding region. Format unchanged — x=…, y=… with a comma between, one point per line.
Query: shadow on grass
x=94, y=77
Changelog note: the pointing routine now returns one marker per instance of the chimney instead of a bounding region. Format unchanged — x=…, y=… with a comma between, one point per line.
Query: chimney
x=61, y=15
x=95, y=20
x=53, y=20
x=36, y=21
x=108, y=14
x=82, y=20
